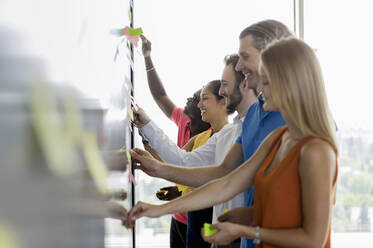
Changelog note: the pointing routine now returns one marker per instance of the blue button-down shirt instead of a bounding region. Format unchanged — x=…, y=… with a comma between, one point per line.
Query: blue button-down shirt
x=257, y=125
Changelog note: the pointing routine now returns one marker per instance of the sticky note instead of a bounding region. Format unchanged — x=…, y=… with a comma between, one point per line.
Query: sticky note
x=130, y=113
x=225, y=211
x=96, y=165
x=47, y=123
x=128, y=154
x=132, y=178
x=7, y=238
x=135, y=31
x=208, y=231
x=130, y=125
x=163, y=191
x=181, y=187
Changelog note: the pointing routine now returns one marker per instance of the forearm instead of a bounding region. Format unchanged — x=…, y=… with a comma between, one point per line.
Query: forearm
x=171, y=153
x=192, y=177
x=154, y=82
x=292, y=237
x=206, y=196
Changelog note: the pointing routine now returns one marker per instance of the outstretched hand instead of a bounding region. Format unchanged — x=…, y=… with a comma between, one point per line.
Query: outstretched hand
x=145, y=162
x=142, y=209
x=146, y=46
x=117, y=211
x=227, y=232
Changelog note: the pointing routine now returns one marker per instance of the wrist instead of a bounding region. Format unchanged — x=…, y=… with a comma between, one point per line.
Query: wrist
x=159, y=169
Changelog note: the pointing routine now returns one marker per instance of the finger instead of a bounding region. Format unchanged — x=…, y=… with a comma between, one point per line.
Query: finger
x=134, y=155
x=208, y=239
x=139, y=151
x=137, y=211
x=143, y=38
x=215, y=226
x=223, y=217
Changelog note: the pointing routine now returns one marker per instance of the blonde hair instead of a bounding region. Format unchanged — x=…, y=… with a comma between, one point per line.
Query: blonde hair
x=297, y=87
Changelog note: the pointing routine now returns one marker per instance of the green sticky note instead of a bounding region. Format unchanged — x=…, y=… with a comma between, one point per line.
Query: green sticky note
x=128, y=155
x=135, y=31
x=208, y=231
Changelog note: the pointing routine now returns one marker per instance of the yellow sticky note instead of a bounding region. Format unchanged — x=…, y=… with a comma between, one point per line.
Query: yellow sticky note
x=130, y=112
x=180, y=187
x=225, y=211
x=128, y=155
x=47, y=123
x=7, y=238
x=73, y=119
x=208, y=231
x=96, y=165
x=163, y=191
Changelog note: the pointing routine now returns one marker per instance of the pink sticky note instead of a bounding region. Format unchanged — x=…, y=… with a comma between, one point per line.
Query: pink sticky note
x=132, y=178
x=133, y=39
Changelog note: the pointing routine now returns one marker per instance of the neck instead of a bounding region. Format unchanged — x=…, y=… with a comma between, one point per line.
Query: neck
x=294, y=132
x=247, y=100
x=217, y=125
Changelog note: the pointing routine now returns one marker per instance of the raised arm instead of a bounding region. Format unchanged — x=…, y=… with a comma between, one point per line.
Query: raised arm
x=155, y=85
x=216, y=191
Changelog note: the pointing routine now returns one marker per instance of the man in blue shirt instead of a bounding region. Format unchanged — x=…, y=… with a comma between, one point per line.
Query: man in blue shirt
x=258, y=123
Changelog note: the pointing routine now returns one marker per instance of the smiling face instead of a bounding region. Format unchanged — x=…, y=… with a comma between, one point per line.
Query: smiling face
x=248, y=61
x=228, y=88
x=210, y=107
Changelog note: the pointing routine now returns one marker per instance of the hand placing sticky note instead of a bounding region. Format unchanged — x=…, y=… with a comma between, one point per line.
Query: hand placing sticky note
x=208, y=231
x=135, y=31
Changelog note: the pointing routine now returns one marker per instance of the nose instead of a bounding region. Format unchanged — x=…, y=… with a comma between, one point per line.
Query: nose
x=221, y=90
x=239, y=65
x=199, y=104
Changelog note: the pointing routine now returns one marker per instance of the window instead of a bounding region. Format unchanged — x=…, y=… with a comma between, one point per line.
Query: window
x=339, y=33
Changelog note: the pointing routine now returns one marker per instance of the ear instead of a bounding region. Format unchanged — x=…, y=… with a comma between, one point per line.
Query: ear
x=243, y=86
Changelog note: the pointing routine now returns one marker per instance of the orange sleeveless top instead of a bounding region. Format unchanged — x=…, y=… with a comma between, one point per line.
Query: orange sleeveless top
x=277, y=197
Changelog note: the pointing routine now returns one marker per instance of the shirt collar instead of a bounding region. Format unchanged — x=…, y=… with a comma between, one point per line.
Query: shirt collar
x=260, y=99
x=237, y=119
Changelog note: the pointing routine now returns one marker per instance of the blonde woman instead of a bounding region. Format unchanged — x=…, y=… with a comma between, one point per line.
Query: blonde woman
x=295, y=168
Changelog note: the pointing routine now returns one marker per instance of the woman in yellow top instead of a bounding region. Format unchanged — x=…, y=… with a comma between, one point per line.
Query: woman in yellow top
x=306, y=150
x=213, y=111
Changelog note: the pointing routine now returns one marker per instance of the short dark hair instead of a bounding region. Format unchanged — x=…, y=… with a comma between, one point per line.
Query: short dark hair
x=233, y=60
x=265, y=32
x=214, y=87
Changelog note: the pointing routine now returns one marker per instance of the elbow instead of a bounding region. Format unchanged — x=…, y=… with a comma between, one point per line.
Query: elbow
x=316, y=241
